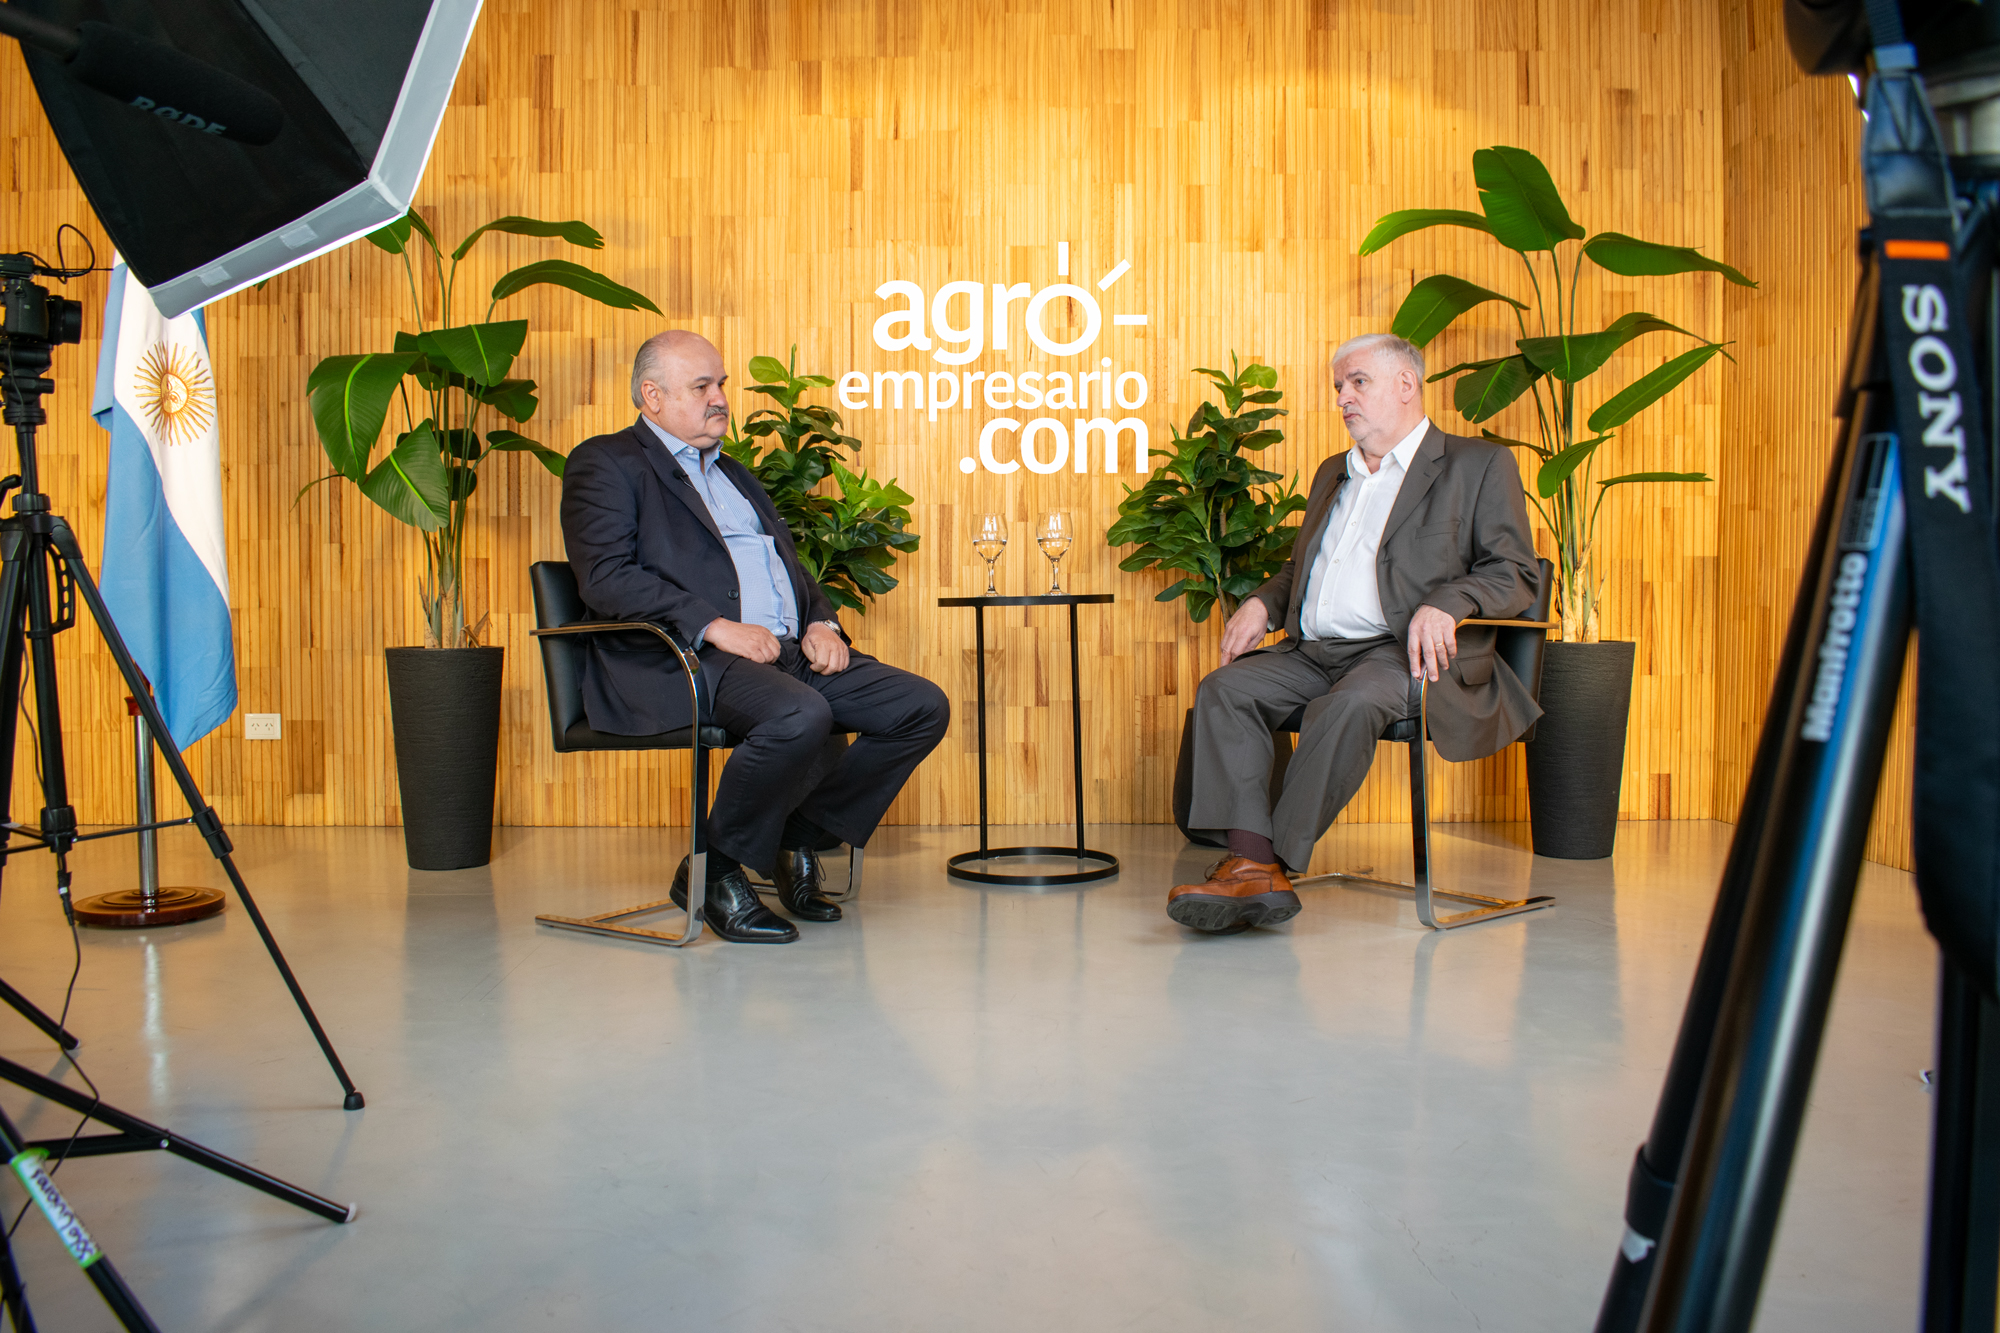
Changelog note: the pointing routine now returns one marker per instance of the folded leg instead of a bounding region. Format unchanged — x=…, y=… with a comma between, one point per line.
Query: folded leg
x=1336, y=746
x=1235, y=709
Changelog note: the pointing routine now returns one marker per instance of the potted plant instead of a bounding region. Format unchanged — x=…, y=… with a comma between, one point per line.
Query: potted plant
x=1576, y=761
x=1211, y=515
x=454, y=387
x=845, y=541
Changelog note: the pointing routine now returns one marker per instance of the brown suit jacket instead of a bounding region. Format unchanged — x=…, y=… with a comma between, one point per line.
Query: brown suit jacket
x=1457, y=539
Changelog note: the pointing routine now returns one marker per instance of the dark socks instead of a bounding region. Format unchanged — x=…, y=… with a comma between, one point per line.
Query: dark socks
x=1255, y=846
x=720, y=864
x=801, y=834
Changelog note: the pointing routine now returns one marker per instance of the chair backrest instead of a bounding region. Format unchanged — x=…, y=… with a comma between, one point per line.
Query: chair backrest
x=1524, y=649
x=557, y=602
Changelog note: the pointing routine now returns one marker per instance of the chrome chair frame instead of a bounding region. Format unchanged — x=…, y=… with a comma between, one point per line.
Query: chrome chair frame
x=606, y=923
x=603, y=923
x=1426, y=892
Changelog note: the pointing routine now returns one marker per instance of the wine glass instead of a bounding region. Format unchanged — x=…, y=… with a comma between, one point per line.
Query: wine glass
x=1054, y=539
x=989, y=539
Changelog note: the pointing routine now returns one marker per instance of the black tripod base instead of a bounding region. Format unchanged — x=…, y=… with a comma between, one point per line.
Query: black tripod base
x=131, y=1134
x=355, y=1101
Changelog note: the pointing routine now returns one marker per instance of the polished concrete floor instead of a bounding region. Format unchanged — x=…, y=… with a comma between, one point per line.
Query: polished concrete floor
x=957, y=1110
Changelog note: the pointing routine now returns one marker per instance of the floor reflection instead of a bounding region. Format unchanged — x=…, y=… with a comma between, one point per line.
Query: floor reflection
x=964, y=1107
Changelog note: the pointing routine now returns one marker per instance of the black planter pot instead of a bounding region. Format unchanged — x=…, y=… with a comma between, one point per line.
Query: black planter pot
x=1576, y=762
x=445, y=706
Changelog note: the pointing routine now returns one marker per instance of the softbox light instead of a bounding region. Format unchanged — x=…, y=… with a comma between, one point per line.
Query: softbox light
x=362, y=85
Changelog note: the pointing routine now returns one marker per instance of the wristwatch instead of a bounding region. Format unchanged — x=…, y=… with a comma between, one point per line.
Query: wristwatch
x=833, y=625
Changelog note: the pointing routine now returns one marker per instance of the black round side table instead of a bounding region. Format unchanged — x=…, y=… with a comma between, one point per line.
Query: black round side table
x=1105, y=865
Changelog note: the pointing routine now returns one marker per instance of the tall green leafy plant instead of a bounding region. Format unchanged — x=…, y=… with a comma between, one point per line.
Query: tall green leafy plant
x=846, y=541
x=454, y=386
x=1209, y=513
x=1523, y=211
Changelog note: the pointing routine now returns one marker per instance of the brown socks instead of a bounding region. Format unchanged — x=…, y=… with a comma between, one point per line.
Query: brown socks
x=1254, y=846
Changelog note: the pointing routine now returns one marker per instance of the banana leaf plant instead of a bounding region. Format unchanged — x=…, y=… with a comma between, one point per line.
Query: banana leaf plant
x=1203, y=514
x=455, y=388
x=846, y=541
x=1523, y=211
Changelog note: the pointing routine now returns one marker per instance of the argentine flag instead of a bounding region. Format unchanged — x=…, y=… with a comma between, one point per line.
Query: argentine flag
x=164, y=575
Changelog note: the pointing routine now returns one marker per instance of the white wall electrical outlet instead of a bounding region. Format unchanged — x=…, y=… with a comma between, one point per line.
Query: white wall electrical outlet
x=262, y=727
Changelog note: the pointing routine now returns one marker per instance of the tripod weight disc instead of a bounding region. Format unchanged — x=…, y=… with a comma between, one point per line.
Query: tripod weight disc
x=128, y=909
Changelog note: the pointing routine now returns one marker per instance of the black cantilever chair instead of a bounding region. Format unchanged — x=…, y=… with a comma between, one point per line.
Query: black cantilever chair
x=1522, y=644
x=559, y=612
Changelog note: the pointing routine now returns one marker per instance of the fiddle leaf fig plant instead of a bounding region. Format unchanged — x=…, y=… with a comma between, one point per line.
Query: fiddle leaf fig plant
x=1523, y=211
x=846, y=541
x=1209, y=513
x=453, y=385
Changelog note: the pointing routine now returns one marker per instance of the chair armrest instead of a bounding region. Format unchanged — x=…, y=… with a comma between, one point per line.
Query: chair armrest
x=690, y=663
x=1517, y=624
x=616, y=627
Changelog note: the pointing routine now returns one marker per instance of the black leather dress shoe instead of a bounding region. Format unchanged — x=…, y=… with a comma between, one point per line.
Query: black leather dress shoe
x=733, y=911
x=800, y=883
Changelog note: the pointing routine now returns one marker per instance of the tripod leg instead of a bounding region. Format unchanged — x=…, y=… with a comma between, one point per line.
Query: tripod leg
x=13, y=1292
x=1649, y=1191
x=25, y=1007
x=69, y=1228
x=64, y=543
x=1746, y=1118
x=1964, y=1241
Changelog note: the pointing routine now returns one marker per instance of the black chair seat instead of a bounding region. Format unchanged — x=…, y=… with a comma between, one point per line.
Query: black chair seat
x=580, y=736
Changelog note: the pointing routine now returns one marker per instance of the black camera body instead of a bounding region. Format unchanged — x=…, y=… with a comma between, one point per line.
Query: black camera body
x=1953, y=37
x=28, y=313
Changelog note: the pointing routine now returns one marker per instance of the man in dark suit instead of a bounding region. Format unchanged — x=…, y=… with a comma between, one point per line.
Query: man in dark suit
x=1405, y=535
x=662, y=526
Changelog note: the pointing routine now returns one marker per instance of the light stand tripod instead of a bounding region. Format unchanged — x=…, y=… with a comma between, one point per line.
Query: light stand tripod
x=1705, y=1191
x=42, y=576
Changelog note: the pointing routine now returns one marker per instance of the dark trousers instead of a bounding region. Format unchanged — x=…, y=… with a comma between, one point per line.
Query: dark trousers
x=786, y=712
x=1352, y=690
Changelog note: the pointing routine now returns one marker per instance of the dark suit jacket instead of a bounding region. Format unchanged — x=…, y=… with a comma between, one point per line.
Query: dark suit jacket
x=644, y=547
x=1457, y=539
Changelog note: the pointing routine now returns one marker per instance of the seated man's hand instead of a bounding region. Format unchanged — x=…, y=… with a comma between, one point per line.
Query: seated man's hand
x=733, y=636
x=825, y=650
x=1433, y=642
x=1246, y=629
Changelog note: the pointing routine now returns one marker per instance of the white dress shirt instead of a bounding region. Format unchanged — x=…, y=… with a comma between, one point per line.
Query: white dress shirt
x=1342, y=599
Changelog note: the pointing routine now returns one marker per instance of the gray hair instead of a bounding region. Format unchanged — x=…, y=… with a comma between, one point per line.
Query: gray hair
x=1401, y=349
x=647, y=364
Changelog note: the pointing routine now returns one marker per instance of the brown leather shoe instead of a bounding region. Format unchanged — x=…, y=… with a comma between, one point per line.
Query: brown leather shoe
x=1238, y=894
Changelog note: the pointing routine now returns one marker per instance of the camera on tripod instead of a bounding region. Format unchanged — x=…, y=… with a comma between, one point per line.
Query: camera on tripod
x=28, y=313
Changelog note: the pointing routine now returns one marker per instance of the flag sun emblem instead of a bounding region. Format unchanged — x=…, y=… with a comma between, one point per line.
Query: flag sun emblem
x=175, y=393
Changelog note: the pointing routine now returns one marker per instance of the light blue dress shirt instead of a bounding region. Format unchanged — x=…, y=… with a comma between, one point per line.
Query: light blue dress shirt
x=761, y=575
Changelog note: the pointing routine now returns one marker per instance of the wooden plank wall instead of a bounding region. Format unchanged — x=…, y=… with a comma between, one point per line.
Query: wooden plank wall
x=1794, y=200
x=759, y=168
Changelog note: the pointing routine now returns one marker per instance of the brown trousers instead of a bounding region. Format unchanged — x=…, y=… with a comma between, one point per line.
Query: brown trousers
x=1352, y=690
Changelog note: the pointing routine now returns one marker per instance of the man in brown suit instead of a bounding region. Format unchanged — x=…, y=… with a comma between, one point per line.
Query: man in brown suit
x=1405, y=535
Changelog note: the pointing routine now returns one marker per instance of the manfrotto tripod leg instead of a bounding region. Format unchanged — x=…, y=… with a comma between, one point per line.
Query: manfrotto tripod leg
x=1650, y=1190
x=63, y=542
x=1772, y=1011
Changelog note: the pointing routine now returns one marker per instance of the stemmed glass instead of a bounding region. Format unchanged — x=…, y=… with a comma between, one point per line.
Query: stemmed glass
x=989, y=539
x=1054, y=539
